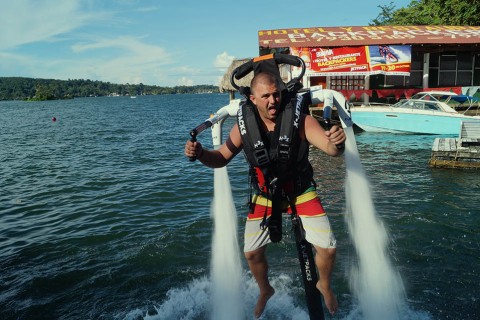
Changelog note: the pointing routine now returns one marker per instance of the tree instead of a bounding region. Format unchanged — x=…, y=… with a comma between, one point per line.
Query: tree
x=17, y=88
x=431, y=12
x=385, y=16
x=42, y=92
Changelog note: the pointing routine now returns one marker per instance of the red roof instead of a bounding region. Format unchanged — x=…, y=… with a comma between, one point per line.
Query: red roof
x=368, y=35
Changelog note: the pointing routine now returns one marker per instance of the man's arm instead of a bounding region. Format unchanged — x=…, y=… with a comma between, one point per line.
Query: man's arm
x=215, y=158
x=330, y=141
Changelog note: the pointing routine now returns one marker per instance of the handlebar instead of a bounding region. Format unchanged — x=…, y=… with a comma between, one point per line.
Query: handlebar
x=279, y=58
x=205, y=125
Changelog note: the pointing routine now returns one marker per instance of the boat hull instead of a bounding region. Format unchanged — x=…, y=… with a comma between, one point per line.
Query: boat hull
x=388, y=120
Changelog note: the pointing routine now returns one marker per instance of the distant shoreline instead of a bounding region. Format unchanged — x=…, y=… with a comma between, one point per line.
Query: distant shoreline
x=31, y=89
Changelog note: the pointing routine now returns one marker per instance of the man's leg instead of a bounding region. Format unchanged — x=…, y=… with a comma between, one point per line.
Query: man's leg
x=325, y=259
x=259, y=267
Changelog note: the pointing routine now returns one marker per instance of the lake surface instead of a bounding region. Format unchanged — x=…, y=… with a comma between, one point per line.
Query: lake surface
x=102, y=217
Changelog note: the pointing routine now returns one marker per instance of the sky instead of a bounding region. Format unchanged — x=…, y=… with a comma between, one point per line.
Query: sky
x=154, y=42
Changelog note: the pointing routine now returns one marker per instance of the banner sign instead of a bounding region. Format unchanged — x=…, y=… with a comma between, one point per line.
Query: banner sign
x=364, y=60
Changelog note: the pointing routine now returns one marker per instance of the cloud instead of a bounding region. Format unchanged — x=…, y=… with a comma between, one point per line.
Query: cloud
x=78, y=39
x=149, y=9
x=184, y=81
x=223, y=60
x=129, y=45
x=31, y=21
x=184, y=70
x=123, y=59
x=119, y=60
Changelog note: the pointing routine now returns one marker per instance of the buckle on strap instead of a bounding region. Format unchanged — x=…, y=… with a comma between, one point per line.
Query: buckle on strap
x=284, y=152
x=261, y=155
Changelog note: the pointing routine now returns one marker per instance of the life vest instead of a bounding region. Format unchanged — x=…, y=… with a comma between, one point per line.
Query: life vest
x=280, y=156
x=278, y=160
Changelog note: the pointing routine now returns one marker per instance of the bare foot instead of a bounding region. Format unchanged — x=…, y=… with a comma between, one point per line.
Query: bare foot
x=330, y=299
x=262, y=302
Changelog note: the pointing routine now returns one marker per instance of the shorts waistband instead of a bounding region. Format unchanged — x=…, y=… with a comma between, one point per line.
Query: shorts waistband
x=308, y=195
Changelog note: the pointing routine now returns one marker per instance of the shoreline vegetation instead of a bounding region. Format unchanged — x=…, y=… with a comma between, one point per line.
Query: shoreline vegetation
x=32, y=89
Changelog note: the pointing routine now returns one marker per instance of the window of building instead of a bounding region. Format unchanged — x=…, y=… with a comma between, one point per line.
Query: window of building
x=476, y=70
x=318, y=81
x=455, y=68
x=416, y=71
x=347, y=82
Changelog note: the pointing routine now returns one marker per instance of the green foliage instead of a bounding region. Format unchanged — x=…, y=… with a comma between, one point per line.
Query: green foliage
x=16, y=88
x=431, y=12
x=385, y=16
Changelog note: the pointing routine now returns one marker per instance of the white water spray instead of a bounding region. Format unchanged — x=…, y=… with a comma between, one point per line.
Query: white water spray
x=375, y=283
x=226, y=269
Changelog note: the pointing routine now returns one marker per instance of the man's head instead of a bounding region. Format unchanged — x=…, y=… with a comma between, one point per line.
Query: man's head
x=265, y=95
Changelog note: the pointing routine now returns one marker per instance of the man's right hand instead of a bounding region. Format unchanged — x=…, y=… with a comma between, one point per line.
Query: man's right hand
x=193, y=149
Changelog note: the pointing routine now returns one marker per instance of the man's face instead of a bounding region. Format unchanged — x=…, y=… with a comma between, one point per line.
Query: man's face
x=267, y=99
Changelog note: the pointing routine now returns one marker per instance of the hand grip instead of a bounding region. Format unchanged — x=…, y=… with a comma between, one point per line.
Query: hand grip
x=193, y=138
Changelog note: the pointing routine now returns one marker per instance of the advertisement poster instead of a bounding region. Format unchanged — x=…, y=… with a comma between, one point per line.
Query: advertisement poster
x=363, y=60
x=393, y=59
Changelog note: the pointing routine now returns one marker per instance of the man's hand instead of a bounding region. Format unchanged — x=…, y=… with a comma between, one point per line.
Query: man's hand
x=193, y=149
x=337, y=136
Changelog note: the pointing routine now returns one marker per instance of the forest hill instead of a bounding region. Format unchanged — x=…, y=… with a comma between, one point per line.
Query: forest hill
x=18, y=88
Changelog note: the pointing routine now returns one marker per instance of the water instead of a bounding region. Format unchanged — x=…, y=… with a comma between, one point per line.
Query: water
x=376, y=284
x=102, y=217
x=226, y=267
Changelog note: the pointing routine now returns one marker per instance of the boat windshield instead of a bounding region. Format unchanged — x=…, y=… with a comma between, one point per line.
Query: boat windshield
x=442, y=96
x=418, y=105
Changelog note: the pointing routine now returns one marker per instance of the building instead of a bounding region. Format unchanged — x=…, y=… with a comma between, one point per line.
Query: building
x=383, y=62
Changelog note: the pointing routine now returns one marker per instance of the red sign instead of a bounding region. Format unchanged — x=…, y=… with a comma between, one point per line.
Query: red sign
x=394, y=60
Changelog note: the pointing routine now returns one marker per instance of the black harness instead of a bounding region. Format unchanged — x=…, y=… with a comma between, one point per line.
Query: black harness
x=282, y=156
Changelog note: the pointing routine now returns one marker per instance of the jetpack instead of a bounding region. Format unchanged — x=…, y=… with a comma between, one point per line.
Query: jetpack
x=315, y=95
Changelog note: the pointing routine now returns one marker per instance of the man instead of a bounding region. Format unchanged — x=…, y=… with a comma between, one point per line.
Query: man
x=266, y=98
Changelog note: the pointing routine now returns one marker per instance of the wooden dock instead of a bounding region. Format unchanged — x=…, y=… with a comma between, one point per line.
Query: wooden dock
x=461, y=152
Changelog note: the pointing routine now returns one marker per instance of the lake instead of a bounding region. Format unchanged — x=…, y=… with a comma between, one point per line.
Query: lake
x=102, y=216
